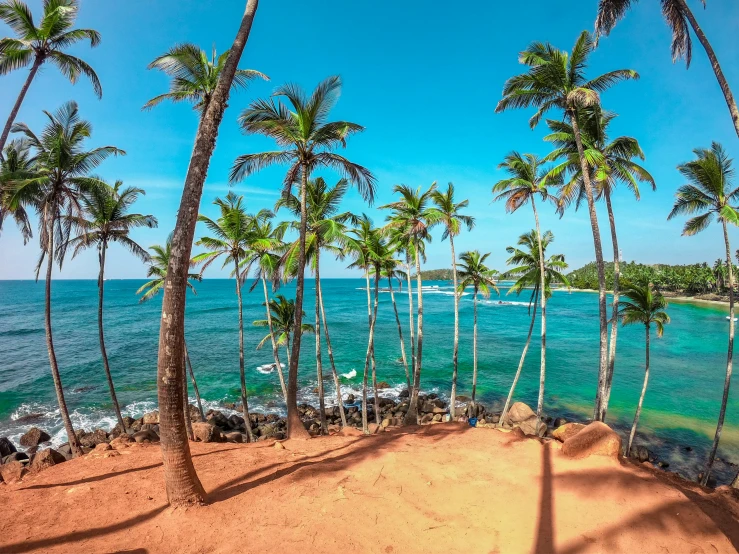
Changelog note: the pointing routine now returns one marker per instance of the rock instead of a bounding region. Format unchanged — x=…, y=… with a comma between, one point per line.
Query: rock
x=279, y=446
x=533, y=427
x=640, y=453
x=437, y=410
x=383, y=385
x=234, y=437
x=427, y=418
x=45, y=459
x=559, y=422
x=495, y=418
x=151, y=418
x=119, y=443
x=374, y=428
x=205, y=432
x=103, y=446
x=29, y=418
x=91, y=440
x=6, y=447
x=15, y=457
x=564, y=432
x=266, y=431
x=12, y=472
x=665, y=465
x=386, y=423
x=65, y=450
x=595, y=439
x=34, y=437
x=117, y=431
x=146, y=435
x=404, y=394
x=518, y=413
x=350, y=432
x=237, y=422
x=437, y=417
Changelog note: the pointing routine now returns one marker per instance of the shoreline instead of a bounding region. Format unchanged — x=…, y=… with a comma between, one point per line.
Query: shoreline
x=714, y=299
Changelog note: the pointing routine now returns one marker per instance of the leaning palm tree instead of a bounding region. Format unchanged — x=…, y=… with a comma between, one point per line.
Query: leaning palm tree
x=282, y=319
x=680, y=18
x=230, y=240
x=309, y=140
x=194, y=76
x=474, y=273
x=15, y=165
x=452, y=219
x=646, y=306
x=60, y=177
x=105, y=220
x=526, y=262
x=610, y=162
x=411, y=220
x=527, y=178
x=556, y=80
x=46, y=43
x=390, y=272
x=709, y=193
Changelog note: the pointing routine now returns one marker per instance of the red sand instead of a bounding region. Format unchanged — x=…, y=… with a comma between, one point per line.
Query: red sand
x=441, y=488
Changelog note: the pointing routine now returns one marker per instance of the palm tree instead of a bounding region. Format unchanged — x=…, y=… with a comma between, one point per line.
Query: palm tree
x=678, y=15
x=183, y=485
x=410, y=221
x=527, y=265
x=326, y=230
x=15, y=165
x=59, y=178
x=643, y=305
x=282, y=320
x=453, y=220
x=230, y=240
x=391, y=272
x=528, y=177
x=194, y=77
x=709, y=193
x=105, y=219
x=556, y=79
x=309, y=141
x=610, y=162
x=45, y=43
x=474, y=273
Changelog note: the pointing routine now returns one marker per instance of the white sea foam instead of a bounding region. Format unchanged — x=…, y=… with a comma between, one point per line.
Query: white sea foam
x=351, y=375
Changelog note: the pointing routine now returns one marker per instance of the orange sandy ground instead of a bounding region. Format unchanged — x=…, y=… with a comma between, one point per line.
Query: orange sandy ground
x=441, y=488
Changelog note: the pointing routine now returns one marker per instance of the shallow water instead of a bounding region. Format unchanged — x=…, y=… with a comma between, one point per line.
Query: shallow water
x=681, y=404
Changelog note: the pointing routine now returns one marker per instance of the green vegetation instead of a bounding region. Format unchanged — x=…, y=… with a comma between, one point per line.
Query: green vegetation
x=435, y=275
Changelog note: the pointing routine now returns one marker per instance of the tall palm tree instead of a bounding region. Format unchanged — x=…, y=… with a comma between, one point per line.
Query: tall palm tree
x=527, y=266
x=391, y=272
x=308, y=140
x=474, y=273
x=194, y=76
x=16, y=164
x=610, y=162
x=709, y=193
x=646, y=306
x=61, y=175
x=410, y=221
x=282, y=318
x=326, y=231
x=556, y=80
x=680, y=18
x=105, y=219
x=183, y=485
x=46, y=43
x=527, y=178
x=230, y=241
x=452, y=219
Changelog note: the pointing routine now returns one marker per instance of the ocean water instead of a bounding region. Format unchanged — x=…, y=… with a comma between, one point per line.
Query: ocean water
x=681, y=405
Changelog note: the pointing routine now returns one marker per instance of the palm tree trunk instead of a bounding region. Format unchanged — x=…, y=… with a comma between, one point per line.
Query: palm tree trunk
x=400, y=333
x=455, y=354
x=543, y=298
x=641, y=398
x=474, y=349
x=319, y=361
x=411, y=417
x=728, y=96
x=374, y=364
x=614, y=310
x=287, y=348
x=370, y=347
x=369, y=319
x=504, y=413
x=186, y=407
x=729, y=360
x=275, y=350
x=412, y=324
x=598, y=413
x=242, y=370
x=17, y=106
x=295, y=427
x=194, y=383
x=334, y=373
x=74, y=443
x=103, y=353
x=183, y=485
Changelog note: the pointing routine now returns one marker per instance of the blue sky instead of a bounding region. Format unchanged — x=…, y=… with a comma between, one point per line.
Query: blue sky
x=424, y=80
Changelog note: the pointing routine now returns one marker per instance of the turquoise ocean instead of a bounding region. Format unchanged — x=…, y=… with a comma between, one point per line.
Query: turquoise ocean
x=681, y=405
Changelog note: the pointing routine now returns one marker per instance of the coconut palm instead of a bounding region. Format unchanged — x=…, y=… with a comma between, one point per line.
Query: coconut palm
x=527, y=265
x=411, y=220
x=326, y=231
x=194, y=76
x=15, y=165
x=183, y=485
x=308, y=140
x=610, y=162
x=106, y=219
x=646, y=306
x=527, y=178
x=282, y=321
x=54, y=188
x=709, y=193
x=680, y=18
x=46, y=43
x=474, y=273
x=230, y=241
x=391, y=272
x=556, y=80
x=452, y=219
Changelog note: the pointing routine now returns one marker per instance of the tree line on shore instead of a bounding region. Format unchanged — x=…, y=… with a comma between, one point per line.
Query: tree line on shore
x=51, y=174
